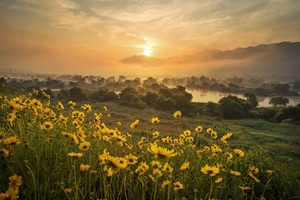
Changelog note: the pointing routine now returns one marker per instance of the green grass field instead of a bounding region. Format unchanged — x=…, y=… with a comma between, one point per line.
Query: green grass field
x=50, y=150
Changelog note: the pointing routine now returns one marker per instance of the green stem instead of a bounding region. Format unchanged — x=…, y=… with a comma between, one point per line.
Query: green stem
x=211, y=187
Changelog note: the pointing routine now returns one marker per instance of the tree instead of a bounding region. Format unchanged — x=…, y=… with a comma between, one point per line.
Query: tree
x=232, y=107
x=77, y=94
x=251, y=98
x=150, y=98
x=278, y=101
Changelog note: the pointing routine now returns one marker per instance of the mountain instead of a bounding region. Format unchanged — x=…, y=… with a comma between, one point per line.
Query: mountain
x=276, y=59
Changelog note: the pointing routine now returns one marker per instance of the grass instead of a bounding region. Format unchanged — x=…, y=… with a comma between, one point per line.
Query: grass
x=117, y=161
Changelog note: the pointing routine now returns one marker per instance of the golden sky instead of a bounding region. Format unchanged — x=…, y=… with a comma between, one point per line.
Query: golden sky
x=91, y=37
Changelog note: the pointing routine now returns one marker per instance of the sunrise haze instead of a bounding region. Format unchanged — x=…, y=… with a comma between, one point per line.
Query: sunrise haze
x=95, y=37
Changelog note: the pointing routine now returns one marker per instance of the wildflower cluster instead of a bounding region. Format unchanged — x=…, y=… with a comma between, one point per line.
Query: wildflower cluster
x=12, y=192
x=76, y=153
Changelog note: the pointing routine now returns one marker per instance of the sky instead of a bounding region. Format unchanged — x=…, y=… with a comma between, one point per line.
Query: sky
x=91, y=37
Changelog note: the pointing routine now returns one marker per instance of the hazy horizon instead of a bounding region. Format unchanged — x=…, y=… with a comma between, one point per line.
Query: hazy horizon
x=94, y=36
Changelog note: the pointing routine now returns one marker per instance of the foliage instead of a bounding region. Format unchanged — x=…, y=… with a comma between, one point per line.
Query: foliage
x=279, y=101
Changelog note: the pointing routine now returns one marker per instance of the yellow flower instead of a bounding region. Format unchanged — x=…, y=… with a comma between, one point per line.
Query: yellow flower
x=178, y=186
x=157, y=172
x=75, y=155
x=60, y=106
x=105, y=108
x=239, y=152
x=235, y=173
x=11, y=141
x=270, y=172
x=15, y=181
x=209, y=130
x=214, y=134
x=177, y=114
x=226, y=137
x=219, y=180
x=5, y=152
x=253, y=177
x=36, y=104
x=167, y=167
x=254, y=169
x=110, y=172
x=142, y=168
x=165, y=183
x=210, y=170
x=11, y=117
x=119, y=162
x=199, y=129
x=154, y=120
x=152, y=178
x=131, y=159
x=68, y=190
x=187, y=133
x=160, y=151
x=87, y=107
x=72, y=103
x=93, y=171
x=73, y=137
x=155, y=134
x=185, y=166
x=215, y=149
x=135, y=123
x=189, y=139
x=12, y=193
x=81, y=134
x=156, y=164
x=47, y=126
x=244, y=188
x=84, y=146
x=84, y=168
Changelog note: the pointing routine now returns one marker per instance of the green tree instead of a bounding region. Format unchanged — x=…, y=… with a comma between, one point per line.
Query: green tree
x=77, y=94
x=278, y=101
x=231, y=107
x=150, y=98
x=251, y=98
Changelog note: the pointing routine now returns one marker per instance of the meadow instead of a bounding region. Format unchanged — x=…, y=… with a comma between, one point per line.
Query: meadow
x=72, y=150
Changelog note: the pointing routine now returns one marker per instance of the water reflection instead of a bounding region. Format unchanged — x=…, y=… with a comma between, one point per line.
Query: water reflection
x=214, y=96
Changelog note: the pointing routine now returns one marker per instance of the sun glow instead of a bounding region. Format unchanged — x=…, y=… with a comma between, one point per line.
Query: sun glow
x=147, y=51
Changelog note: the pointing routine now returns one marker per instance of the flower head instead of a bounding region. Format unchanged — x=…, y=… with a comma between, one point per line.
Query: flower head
x=47, y=126
x=226, y=137
x=119, y=162
x=185, y=166
x=165, y=183
x=210, y=170
x=135, y=123
x=253, y=177
x=84, y=146
x=239, y=152
x=84, y=168
x=178, y=186
x=160, y=151
x=235, y=173
x=177, y=114
x=15, y=181
x=75, y=155
x=155, y=120
x=11, y=141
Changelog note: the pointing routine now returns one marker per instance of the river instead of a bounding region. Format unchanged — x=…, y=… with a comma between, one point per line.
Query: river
x=214, y=96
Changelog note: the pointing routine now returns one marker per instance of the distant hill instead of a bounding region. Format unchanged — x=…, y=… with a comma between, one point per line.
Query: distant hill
x=278, y=59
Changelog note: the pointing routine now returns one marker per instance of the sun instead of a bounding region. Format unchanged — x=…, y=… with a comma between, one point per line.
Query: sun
x=147, y=51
